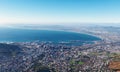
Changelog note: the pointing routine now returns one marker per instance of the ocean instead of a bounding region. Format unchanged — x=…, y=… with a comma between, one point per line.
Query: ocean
x=28, y=35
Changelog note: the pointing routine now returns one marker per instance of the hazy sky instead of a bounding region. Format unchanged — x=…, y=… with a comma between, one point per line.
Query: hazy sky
x=59, y=11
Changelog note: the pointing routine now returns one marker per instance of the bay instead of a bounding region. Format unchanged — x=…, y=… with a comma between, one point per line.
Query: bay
x=27, y=35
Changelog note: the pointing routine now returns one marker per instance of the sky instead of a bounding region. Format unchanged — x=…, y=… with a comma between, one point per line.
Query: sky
x=59, y=11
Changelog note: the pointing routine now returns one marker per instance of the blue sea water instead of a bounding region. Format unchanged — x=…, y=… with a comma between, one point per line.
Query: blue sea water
x=25, y=35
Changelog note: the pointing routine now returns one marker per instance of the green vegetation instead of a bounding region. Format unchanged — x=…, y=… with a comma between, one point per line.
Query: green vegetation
x=72, y=62
x=80, y=63
x=39, y=68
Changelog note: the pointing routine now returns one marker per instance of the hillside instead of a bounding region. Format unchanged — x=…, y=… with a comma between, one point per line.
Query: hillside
x=7, y=49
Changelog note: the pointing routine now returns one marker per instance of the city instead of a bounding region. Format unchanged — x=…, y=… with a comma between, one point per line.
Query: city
x=49, y=57
x=59, y=35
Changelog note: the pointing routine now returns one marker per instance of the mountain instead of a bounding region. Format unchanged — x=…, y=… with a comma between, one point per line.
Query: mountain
x=8, y=49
